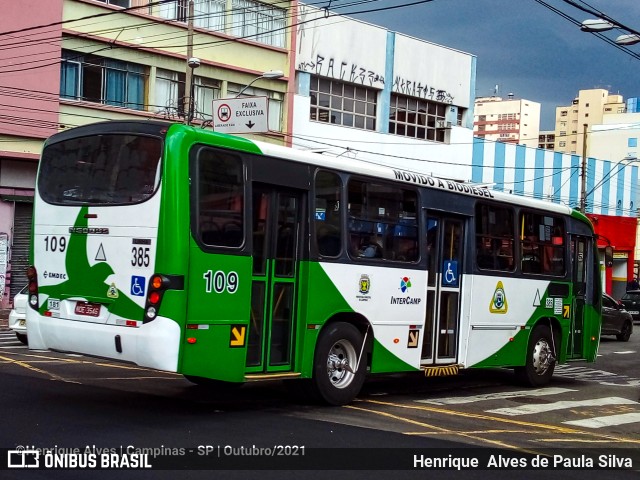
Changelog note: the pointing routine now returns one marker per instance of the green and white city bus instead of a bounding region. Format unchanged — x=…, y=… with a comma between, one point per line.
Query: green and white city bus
x=229, y=260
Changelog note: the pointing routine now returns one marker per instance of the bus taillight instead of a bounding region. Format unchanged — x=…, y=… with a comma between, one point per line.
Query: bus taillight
x=157, y=285
x=32, y=276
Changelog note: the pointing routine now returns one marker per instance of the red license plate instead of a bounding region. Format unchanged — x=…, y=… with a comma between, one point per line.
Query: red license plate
x=88, y=309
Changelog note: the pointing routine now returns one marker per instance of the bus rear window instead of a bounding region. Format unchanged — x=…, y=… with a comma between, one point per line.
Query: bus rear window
x=114, y=169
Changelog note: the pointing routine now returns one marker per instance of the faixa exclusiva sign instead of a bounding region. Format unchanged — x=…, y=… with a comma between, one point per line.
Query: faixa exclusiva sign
x=240, y=115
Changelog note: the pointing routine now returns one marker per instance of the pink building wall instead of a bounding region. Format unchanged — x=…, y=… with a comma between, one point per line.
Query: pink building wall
x=30, y=67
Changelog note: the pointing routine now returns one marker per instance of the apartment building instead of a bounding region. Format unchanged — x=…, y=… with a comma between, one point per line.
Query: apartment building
x=507, y=120
x=65, y=63
x=588, y=108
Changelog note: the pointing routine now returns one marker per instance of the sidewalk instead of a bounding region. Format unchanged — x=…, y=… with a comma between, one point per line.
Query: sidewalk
x=4, y=317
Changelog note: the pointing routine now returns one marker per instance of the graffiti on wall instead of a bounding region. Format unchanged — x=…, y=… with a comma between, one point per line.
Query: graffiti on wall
x=417, y=89
x=345, y=71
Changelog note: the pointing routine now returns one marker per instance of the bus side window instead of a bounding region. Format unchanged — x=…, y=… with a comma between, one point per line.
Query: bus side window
x=328, y=237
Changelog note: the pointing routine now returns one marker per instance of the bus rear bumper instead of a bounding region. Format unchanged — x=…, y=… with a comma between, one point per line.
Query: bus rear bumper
x=155, y=344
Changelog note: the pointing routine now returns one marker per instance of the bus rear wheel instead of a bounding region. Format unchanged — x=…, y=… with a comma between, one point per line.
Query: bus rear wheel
x=337, y=374
x=541, y=358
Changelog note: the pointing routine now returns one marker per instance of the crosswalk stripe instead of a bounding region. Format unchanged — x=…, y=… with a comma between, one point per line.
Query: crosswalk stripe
x=608, y=421
x=496, y=396
x=548, y=407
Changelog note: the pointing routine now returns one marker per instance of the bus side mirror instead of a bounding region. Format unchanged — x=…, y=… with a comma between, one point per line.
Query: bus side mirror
x=608, y=256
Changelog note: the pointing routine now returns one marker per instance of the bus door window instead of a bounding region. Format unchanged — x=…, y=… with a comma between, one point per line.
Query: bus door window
x=444, y=256
x=276, y=238
x=579, y=249
x=431, y=252
x=450, y=291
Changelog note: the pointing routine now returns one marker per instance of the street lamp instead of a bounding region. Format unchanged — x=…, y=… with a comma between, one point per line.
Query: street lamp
x=272, y=74
x=193, y=63
x=628, y=39
x=598, y=25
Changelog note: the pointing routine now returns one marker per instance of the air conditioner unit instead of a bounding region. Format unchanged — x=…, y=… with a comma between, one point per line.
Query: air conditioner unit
x=443, y=124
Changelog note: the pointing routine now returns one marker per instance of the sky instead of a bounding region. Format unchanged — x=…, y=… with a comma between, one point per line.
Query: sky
x=522, y=46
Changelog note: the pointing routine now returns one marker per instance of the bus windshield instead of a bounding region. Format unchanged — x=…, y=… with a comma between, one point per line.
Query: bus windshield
x=110, y=169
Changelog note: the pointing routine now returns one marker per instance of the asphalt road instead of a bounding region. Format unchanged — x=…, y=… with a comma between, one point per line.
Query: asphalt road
x=53, y=399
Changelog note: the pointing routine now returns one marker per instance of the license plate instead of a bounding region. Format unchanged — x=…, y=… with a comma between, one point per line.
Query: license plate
x=88, y=309
x=22, y=322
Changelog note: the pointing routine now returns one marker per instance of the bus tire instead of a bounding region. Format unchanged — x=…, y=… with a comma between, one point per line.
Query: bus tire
x=541, y=359
x=24, y=339
x=337, y=376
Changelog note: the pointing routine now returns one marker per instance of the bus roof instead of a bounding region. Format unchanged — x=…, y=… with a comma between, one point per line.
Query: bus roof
x=352, y=165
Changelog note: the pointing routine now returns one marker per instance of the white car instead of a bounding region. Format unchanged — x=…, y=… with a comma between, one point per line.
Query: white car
x=18, y=316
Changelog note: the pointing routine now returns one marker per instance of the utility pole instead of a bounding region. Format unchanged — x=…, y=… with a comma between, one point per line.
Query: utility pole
x=583, y=188
x=188, y=90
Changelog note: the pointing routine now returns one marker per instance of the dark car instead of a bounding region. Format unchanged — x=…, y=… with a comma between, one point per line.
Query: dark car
x=615, y=319
x=631, y=302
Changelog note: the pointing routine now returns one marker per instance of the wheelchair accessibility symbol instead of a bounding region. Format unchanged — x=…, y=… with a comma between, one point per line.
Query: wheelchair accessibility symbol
x=137, y=286
x=450, y=273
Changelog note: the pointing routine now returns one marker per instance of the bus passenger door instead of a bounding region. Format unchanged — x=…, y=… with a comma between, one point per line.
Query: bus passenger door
x=442, y=323
x=579, y=252
x=276, y=231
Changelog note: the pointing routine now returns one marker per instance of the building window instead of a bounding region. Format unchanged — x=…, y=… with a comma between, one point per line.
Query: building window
x=250, y=20
x=257, y=21
x=176, y=10
x=562, y=144
x=417, y=118
x=205, y=90
x=117, y=3
x=209, y=14
x=102, y=80
x=563, y=113
x=343, y=103
x=632, y=142
x=169, y=93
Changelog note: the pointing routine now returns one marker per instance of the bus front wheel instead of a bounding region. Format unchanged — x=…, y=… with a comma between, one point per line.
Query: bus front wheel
x=338, y=374
x=541, y=358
